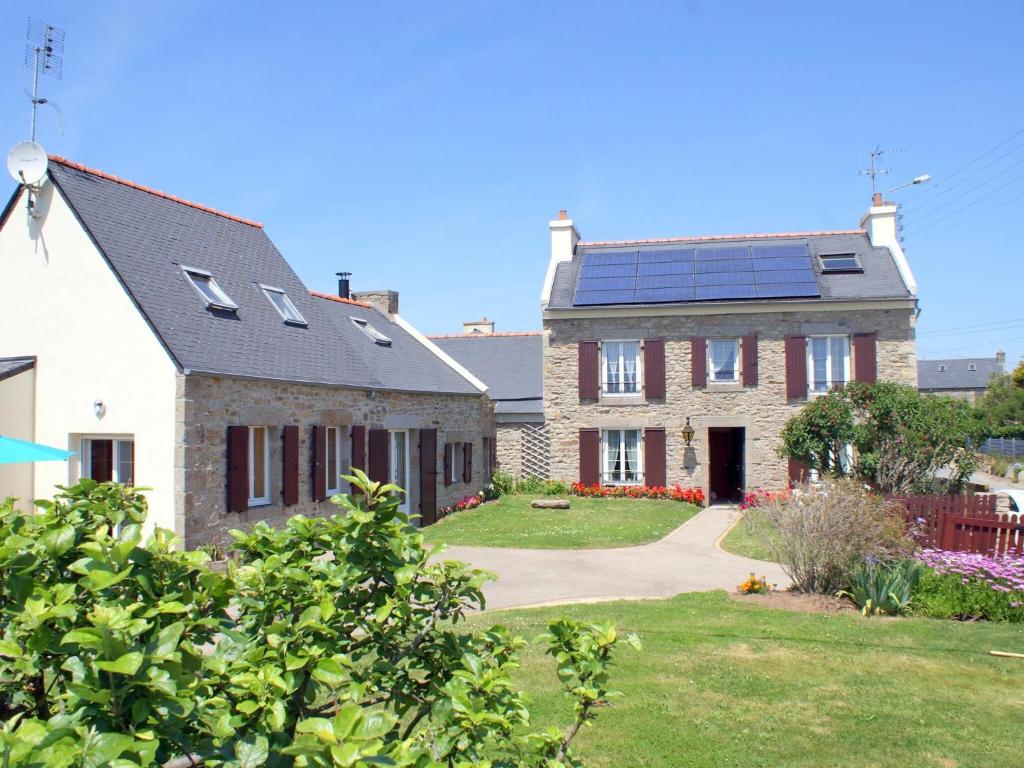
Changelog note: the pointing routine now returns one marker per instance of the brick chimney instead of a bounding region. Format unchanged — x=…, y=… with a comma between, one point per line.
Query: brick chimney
x=481, y=326
x=385, y=301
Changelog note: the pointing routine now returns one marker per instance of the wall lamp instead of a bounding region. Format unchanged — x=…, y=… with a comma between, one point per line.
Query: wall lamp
x=99, y=409
x=688, y=432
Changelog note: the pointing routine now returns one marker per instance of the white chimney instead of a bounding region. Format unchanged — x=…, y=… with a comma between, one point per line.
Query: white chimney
x=563, y=245
x=482, y=326
x=880, y=223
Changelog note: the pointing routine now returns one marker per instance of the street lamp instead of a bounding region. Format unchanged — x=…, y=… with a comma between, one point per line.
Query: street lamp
x=688, y=432
x=922, y=179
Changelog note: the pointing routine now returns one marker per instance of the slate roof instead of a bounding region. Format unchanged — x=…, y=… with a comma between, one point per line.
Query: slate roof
x=12, y=366
x=957, y=374
x=147, y=236
x=510, y=364
x=879, y=280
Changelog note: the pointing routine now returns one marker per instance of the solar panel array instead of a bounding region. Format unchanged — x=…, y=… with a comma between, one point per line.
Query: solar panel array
x=720, y=273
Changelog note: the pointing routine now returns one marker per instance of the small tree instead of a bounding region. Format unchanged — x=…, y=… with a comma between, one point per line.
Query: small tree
x=1002, y=405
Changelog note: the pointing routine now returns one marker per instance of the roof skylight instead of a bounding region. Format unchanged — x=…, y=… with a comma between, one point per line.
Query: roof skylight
x=371, y=332
x=206, y=286
x=840, y=262
x=283, y=305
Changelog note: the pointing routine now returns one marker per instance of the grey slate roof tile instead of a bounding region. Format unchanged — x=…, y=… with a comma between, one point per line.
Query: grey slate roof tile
x=957, y=374
x=512, y=367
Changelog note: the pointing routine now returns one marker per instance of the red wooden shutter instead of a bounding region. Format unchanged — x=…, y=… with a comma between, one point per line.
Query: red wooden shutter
x=238, y=469
x=319, y=463
x=654, y=369
x=449, y=459
x=378, y=454
x=590, y=456
x=749, y=355
x=865, y=357
x=797, y=473
x=467, y=462
x=428, y=476
x=698, y=362
x=589, y=370
x=654, y=457
x=796, y=367
x=290, y=468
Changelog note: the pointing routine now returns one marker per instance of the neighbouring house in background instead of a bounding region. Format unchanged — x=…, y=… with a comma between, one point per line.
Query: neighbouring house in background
x=964, y=377
x=728, y=334
x=511, y=365
x=172, y=346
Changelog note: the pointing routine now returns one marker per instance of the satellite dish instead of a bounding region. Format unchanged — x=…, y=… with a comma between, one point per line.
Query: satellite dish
x=27, y=163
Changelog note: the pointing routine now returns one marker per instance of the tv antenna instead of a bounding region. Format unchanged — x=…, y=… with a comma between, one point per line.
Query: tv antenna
x=44, y=54
x=876, y=168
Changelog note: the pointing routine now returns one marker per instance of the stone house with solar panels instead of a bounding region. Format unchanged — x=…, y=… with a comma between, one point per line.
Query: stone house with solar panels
x=172, y=346
x=730, y=335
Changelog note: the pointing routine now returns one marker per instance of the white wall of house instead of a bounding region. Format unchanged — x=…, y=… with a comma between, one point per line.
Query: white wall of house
x=63, y=304
x=17, y=410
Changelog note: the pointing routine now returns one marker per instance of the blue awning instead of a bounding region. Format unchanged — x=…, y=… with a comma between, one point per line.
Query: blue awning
x=13, y=451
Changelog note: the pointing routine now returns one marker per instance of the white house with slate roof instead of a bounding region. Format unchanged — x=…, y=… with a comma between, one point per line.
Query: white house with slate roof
x=171, y=346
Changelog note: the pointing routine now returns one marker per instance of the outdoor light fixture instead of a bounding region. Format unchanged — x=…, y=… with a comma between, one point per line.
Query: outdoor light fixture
x=99, y=408
x=688, y=432
x=922, y=179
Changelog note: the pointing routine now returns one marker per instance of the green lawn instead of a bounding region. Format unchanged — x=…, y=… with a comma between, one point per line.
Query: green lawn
x=590, y=523
x=721, y=683
x=742, y=541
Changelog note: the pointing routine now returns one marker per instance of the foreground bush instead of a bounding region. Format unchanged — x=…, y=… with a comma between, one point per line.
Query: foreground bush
x=819, y=534
x=882, y=588
x=676, y=493
x=505, y=483
x=961, y=585
x=330, y=642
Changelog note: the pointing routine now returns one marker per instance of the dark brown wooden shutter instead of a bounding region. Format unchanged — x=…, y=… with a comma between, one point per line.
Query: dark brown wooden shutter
x=238, y=469
x=590, y=456
x=318, y=462
x=449, y=460
x=494, y=454
x=865, y=357
x=797, y=473
x=796, y=367
x=589, y=370
x=290, y=466
x=749, y=355
x=654, y=369
x=486, y=455
x=698, y=362
x=654, y=457
x=378, y=455
x=467, y=462
x=428, y=476
x=358, y=451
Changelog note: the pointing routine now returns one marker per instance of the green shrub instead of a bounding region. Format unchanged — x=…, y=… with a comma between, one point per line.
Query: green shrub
x=503, y=482
x=882, y=588
x=951, y=596
x=506, y=483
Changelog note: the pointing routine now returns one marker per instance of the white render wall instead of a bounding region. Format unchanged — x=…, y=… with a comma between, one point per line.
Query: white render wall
x=63, y=304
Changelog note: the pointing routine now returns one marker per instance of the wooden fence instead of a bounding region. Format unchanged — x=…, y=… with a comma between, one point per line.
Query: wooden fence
x=966, y=523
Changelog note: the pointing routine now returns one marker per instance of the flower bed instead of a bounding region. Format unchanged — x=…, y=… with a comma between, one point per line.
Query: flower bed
x=469, y=502
x=676, y=493
x=963, y=585
x=761, y=496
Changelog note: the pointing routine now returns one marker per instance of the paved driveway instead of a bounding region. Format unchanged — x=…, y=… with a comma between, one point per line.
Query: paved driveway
x=687, y=560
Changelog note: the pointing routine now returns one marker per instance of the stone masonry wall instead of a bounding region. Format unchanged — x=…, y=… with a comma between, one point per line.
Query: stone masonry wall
x=207, y=405
x=761, y=410
x=510, y=448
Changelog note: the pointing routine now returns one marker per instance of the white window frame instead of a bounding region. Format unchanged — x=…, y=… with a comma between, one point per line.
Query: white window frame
x=824, y=261
x=85, y=455
x=404, y=505
x=622, y=367
x=259, y=501
x=830, y=382
x=333, y=473
x=221, y=300
x=376, y=336
x=457, y=460
x=637, y=472
x=712, y=373
x=292, y=316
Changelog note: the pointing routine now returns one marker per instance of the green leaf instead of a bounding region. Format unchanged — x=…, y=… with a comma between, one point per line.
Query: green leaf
x=58, y=541
x=167, y=639
x=101, y=749
x=330, y=672
x=10, y=649
x=126, y=665
x=252, y=752
x=405, y=574
x=320, y=727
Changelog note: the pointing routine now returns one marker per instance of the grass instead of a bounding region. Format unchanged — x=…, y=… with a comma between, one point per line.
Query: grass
x=590, y=523
x=742, y=541
x=722, y=683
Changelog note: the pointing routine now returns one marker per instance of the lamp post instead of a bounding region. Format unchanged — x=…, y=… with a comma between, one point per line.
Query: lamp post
x=922, y=179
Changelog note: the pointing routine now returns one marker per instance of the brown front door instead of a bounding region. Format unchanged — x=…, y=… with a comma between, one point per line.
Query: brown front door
x=428, y=476
x=101, y=460
x=725, y=463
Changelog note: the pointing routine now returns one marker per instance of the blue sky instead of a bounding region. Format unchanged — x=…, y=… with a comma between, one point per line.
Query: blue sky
x=424, y=147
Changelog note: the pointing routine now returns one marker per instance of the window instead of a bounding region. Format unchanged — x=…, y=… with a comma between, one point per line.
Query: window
x=283, y=305
x=620, y=457
x=259, y=466
x=334, y=469
x=620, y=367
x=455, y=470
x=972, y=367
x=942, y=369
x=723, y=360
x=398, y=466
x=106, y=459
x=207, y=287
x=828, y=362
x=369, y=330
x=840, y=262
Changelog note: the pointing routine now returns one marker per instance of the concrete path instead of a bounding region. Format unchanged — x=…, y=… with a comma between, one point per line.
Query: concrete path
x=686, y=560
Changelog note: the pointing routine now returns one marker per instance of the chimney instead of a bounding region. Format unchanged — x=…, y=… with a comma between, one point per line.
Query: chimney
x=880, y=223
x=482, y=326
x=343, y=284
x=385, y=301
x=563, y=245
x=1001, y=360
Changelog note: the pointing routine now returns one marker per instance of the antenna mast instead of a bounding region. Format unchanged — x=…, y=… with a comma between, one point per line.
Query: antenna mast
x=44, y=52
x=876, y=168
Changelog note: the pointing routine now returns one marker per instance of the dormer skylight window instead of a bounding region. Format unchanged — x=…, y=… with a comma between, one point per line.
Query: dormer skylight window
x=206, y=286
x=370, y=331
x=840, y=262
x=972, y=367
x=942, y=369
x=283, y=305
